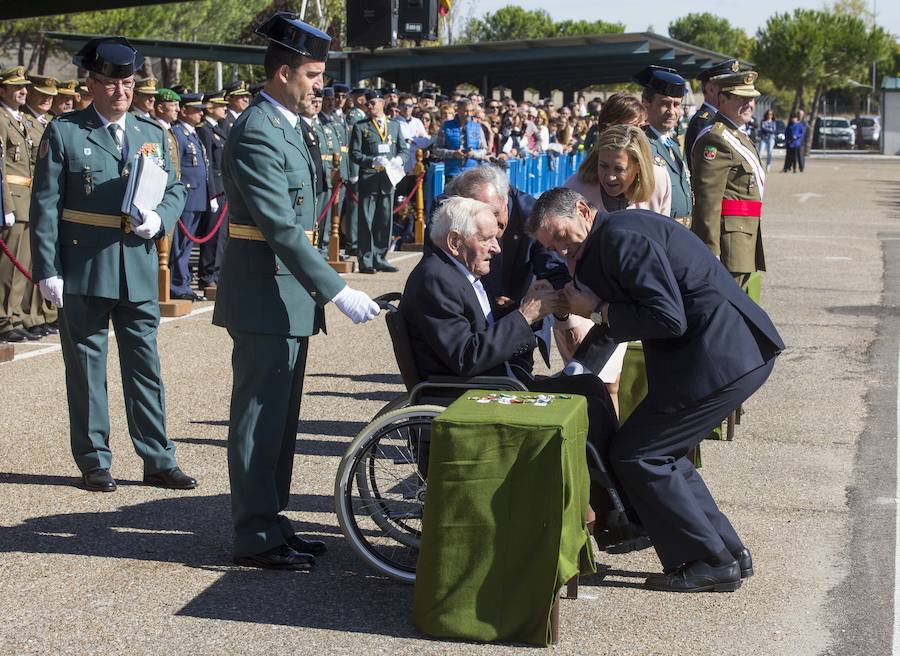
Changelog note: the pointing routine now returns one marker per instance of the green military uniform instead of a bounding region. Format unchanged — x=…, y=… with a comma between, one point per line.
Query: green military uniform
x=727, y=171
x=702, y=119
x=329, y=144
x=349, y=218
x=272, y=287
x=669, y=156
x=376, y=193
x=167, y=95
x=20, y=139
x=109, y=273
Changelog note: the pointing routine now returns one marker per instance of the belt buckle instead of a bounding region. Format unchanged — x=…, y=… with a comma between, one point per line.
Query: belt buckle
x=126, y=225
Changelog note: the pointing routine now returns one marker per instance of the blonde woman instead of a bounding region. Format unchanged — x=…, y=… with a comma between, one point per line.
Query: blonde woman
x=620, y=174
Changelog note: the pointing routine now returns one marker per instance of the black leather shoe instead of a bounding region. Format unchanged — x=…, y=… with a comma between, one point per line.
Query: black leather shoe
x=282, y=557
x=192, y=297
x=173, y=479
x=744, y=561
x=99, y=480
x=31, y=334
x=51, y=328
x=314, y=547
x=697, y=576
x=13, y=336
x=365, y=269
x=37, y=332
x=387, y=268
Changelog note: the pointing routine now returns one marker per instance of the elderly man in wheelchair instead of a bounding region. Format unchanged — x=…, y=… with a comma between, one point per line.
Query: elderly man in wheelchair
x=449, y=336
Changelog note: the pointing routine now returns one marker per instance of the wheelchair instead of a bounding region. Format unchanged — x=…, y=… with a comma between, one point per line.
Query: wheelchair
x=381, y=484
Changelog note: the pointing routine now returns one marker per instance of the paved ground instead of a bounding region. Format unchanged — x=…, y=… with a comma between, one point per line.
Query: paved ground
x=809, y=483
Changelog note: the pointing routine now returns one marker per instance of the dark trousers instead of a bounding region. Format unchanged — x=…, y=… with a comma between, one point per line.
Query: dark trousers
x=649, y=454
x=350, y=219
x=84, y=336
x=793, y=158
x=179, y=258
x=375, y=218
x=210, y=251
x=262, y=431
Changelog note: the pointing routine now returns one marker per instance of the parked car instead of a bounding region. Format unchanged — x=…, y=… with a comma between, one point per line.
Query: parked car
x=833, y=132
x=869, y=128
x=779, y=133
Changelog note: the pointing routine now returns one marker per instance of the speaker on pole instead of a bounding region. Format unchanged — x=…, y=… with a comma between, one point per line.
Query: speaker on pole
x=372, y=23
x=419, y=20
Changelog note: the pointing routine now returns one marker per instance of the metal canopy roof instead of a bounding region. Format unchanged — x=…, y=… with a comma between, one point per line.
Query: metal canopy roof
x=567, y=63
x=10, y=9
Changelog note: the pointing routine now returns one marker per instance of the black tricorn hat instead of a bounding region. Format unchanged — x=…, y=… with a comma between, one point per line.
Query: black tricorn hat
x=112, y=56
x=284, y=29
x=664, y=81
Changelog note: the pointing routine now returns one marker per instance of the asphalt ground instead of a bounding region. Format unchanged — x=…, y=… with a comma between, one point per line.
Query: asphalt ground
x=808, y=482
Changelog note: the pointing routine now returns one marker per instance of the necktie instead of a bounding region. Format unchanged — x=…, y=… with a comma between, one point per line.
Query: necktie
x=114, y=131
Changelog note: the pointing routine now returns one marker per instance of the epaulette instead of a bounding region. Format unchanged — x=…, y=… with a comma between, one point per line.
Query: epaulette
x=143, y=119
x=704, y=114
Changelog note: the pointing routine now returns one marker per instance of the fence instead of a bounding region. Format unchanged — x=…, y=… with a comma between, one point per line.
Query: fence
x=532, y=174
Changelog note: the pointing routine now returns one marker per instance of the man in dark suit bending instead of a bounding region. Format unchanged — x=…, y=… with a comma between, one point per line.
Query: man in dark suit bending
x=707, y=347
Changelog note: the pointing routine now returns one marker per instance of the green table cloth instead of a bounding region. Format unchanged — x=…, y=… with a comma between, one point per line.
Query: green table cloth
x=503, y=526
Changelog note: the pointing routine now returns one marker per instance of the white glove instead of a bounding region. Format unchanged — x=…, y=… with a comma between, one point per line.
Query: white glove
x=150, y=227
x=356, y=304
x=397, y=162
x=52, y=289
x=574, y=368
x=381, y=160
x=353, y=179
x=9, y=219
x=214, y=205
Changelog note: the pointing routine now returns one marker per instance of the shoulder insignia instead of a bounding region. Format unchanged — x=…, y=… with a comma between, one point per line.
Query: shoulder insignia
x=276, y=121
x=710, y=152
x=658, y=160
x=704, y=114
x=45, y=147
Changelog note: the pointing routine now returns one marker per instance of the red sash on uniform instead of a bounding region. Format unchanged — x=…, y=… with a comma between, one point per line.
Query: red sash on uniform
x=741, y=208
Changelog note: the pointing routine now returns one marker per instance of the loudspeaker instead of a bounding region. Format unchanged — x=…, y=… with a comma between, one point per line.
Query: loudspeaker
x=372, y=23
x=419, y=20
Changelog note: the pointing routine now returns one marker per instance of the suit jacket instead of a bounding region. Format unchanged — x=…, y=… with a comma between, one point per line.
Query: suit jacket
x=79, y=167
x=448, y=332
x=194, y=169
x=700, y=331
x=720, y=172
x=213, y=138
x=342, y=136
x=682, y=196
x=364, y=148
x=278, y=286
x=312, y=137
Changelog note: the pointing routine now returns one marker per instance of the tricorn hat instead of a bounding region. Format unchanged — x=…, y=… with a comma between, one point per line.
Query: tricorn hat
x=287, y=31
x=112, y=56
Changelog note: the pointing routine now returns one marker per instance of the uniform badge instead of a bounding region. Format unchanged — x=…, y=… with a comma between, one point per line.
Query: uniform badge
x=45, y=148
x=658, y=160
x=710, y=152
x=276, y=121
x=87, y=152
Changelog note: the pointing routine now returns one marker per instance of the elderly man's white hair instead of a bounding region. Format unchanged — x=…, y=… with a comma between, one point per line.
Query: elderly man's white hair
x=470, y=183
x=457, y=214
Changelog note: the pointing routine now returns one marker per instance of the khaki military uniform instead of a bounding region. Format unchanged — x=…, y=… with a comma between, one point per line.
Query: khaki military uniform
x=728, y=182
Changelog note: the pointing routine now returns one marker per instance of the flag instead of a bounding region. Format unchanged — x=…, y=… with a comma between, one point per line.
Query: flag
x=444, y=7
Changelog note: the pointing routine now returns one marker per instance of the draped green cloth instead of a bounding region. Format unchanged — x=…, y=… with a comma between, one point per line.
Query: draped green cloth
x=503, y=526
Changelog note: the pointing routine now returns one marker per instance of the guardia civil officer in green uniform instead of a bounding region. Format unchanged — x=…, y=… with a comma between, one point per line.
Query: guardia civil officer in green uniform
x=663, y=91
x=356, y=112
x=375, y=144
x=98, y=266
x=329, y=143
x=272, y=288
x=706, y=114
x=729, y=181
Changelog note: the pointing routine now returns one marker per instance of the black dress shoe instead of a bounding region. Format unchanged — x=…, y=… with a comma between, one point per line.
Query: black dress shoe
x=365, y=269
x=191, y=296
x=32, y=334
x=51, y=328
x=301, y=545
x=282, y=557
x=99, y=480
x=697, y=576
x=744, y=561
x=173, y=479
x=37, y=332
x=387, y=268
x=13, y=336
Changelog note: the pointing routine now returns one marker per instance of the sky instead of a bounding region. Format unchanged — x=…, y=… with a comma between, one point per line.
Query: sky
x=639, y=15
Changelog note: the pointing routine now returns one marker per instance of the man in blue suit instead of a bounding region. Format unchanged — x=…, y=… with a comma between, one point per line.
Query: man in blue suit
x=195, y=177
x=707, y=346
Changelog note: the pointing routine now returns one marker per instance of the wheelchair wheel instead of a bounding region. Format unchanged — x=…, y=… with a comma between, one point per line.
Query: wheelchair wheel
x=380, y=490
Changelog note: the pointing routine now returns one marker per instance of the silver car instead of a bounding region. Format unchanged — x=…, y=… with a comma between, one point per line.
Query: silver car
x=833, y=132
x=869, y=128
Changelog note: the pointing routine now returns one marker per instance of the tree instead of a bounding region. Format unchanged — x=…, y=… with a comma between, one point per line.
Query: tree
x=708, y=31
x=513, y=23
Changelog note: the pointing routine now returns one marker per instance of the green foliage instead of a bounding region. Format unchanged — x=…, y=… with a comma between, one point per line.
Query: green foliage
x=513, y=23
x=709, y=31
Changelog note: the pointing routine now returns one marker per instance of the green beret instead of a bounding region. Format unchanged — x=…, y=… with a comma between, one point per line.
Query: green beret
x=167, y=95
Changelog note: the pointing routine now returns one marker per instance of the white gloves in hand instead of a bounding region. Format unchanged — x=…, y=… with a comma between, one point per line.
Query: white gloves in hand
x=214, y=205
x=381, y=160
x=396, y=161
x=150, y=227
x=9, y=219
x=52, y=290
x=356, y=304
x=353, y=179
x=575, y=368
